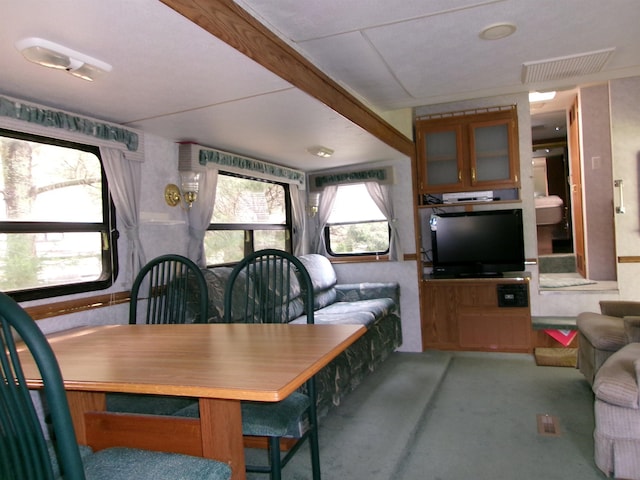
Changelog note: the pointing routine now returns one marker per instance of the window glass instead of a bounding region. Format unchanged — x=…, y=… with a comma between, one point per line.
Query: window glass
x=356, y=226
x=55, y=216
x=249, y=215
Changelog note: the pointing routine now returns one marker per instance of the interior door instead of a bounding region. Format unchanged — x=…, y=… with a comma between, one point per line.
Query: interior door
x=575, y=183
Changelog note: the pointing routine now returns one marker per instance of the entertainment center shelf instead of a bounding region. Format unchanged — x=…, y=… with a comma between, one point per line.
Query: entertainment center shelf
x=481, y=314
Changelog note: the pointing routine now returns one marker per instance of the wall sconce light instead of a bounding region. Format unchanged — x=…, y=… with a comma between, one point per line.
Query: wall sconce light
x=189, y=191
x=312, y=204
x=49, y=54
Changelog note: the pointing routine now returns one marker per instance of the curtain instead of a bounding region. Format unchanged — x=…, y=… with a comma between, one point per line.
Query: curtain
x=327, y=199
x=199, y=215
x=298, y=220
x=381, y=195
x=124, y=177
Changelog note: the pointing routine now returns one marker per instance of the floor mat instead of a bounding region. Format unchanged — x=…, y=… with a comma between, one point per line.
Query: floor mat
x=560, y=282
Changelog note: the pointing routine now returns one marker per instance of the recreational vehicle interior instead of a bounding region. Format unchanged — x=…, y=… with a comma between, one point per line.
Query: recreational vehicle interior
x=298, y=98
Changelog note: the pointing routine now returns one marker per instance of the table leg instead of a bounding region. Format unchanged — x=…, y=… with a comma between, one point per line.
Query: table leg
x=221, y=424
x=79, y=404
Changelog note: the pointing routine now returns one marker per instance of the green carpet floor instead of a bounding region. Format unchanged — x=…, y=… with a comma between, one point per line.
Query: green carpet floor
x=457, y=416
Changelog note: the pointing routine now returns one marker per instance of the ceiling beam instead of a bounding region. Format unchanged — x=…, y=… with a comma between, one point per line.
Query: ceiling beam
x=234, y=26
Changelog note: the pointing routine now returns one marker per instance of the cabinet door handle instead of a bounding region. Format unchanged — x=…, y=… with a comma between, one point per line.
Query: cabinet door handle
x=459, y=175
x=473, y=175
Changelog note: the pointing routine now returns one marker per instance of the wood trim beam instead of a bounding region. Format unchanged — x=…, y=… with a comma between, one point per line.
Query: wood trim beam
x=629, y=259
x=230, y=23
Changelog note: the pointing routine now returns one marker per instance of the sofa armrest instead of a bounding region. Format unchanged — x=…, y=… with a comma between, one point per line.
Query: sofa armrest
x=620, y=308
x=351, y=292
x=632, y=328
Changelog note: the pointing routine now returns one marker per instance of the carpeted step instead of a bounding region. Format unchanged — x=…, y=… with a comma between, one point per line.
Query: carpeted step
x=558, y=263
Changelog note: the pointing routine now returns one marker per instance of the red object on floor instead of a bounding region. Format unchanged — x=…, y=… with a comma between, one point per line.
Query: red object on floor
x=565, y=337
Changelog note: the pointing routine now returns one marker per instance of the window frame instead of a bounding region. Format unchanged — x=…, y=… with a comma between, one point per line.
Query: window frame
x=107, y=228
x=249, y=229
x=327, y=238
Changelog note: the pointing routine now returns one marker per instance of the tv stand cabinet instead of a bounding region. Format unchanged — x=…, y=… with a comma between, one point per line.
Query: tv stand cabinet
x=481, y=314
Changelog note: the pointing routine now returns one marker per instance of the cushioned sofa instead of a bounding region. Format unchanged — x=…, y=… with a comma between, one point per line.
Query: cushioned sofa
x=375, y=305
x=617, y=414
x=602, y=334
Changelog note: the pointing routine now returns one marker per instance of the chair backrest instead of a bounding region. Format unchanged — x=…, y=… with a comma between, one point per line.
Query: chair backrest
x=268, y=286
x=24, y=450
x=172, y=289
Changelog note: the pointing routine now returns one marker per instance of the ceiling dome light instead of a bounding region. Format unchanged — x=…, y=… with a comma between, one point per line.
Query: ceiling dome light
x=49, y=54
x=541, y=96
x=320, y=151
x=497, y=31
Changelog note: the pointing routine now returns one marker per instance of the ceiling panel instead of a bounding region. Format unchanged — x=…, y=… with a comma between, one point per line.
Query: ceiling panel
x=284, y=139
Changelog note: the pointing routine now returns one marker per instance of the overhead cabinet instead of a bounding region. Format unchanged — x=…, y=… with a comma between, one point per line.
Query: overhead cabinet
x=468, y=152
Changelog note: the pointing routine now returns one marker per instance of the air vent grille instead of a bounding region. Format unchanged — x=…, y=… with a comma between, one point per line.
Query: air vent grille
x=565, y=67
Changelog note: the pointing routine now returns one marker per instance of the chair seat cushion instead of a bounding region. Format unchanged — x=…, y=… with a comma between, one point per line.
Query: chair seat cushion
x=271, y=419
x=128, y=463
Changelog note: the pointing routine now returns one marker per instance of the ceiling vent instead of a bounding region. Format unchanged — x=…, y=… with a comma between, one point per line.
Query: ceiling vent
x=565, y=67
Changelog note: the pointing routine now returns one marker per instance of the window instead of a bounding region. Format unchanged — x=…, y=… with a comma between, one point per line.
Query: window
x=356, y=225
x=249, y=215
x=57, y=223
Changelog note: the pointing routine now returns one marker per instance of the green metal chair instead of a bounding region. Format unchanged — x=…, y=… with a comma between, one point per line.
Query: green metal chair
x=273, y=286
x=172, y=289
x=25, y=451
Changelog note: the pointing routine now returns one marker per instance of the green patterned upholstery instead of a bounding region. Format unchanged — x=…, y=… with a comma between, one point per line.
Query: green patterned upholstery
x=375, y=305
x=279, y=419
x=25, y=453
x=127, y=464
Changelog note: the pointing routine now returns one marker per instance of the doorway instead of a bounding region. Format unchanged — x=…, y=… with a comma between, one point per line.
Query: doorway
x=560, y=178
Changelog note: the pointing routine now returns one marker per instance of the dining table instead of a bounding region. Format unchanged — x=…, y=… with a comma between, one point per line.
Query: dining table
x=220, y=365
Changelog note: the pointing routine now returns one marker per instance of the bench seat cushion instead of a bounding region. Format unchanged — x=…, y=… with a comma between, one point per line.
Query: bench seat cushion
x=362, y=312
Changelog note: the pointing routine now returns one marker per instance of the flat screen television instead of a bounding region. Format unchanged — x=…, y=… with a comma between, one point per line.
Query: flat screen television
x=477, y=244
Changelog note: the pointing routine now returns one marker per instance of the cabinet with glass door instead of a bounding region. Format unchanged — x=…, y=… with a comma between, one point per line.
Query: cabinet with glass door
x=468, y=152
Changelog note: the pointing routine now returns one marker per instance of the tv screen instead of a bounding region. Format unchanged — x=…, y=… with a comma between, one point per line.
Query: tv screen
x=484, y=243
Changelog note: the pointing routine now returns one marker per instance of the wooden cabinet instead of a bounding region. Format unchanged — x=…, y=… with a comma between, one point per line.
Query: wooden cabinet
x=471, y=152
x=476, y=314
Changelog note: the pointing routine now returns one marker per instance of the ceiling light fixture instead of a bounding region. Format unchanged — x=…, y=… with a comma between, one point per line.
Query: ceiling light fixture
x=541, y=96
x=320, y=151
x=50, y=54
x=497, y=31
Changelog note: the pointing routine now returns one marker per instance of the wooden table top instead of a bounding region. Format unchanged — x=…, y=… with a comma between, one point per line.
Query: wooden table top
x=263, y=362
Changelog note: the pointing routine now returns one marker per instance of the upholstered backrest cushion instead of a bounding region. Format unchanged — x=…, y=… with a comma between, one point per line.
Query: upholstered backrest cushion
x=323, y=279
x=619, y=308
x=270, y=285
x=217, y=279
